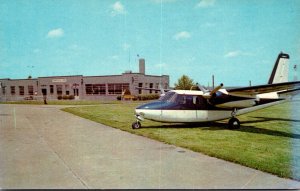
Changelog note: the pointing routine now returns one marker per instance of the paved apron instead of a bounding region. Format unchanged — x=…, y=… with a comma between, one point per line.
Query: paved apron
x=43, y=147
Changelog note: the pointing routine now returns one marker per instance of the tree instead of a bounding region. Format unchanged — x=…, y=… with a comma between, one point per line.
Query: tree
x=184, y=83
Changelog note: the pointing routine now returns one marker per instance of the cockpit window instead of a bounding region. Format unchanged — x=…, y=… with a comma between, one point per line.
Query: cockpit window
x=167, y=97
x=185, y=99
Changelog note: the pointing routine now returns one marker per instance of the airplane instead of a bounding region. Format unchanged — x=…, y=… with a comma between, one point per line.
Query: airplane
x=192, y=106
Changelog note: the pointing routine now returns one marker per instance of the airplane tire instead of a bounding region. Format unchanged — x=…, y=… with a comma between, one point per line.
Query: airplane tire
x=136, y=125
x=234, y=123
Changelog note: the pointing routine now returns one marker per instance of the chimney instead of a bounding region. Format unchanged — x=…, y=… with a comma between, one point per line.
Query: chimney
x=142, y=65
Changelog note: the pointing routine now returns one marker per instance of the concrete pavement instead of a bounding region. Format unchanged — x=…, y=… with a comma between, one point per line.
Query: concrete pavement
x=43, y=147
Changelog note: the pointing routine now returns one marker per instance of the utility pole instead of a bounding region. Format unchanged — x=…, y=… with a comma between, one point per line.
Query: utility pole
x=295, y=72
x=213, y=81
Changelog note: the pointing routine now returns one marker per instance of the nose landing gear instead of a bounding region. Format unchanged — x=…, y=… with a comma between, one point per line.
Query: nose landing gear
x=137, y=124
x=234, y=123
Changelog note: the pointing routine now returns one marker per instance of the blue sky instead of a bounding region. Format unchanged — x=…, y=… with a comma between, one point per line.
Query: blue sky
x=235, y=40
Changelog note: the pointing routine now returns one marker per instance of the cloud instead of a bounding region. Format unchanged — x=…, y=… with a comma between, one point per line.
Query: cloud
x=182, y=35
x=232, y=54
x=55, y=33
x=163, y=1
x=208, y=25
x=36, y=51
x=237, y=53
x=161, y=65
x=115, y=57
x=126, y=46
x=205, y=3
x=117, y=9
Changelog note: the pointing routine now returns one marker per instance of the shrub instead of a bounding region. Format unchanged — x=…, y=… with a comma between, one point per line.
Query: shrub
x=71, y=97
x=148, y=97
x=127, y=92
x=119, y=98
x=65, y=97
x=59, y=97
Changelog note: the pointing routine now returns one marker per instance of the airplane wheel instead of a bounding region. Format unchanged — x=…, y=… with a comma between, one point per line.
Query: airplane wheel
x=234, y=123
x=136, y=125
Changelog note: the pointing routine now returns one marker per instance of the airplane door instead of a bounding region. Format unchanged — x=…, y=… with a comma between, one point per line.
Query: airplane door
x=185, y=110
x=201, y=108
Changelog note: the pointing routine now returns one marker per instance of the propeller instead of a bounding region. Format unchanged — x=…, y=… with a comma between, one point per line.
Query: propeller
x=210, y=94
x=216, y=89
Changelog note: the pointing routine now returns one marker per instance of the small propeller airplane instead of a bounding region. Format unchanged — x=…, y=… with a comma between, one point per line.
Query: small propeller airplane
x=192, y=106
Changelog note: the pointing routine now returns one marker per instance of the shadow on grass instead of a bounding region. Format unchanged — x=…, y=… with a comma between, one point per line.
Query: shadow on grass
x=202, y=125
x=215, y=126
x=253, y=129
x=263, y=119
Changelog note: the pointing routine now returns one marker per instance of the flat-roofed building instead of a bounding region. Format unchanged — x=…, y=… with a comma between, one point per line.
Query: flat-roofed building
x=82, y=87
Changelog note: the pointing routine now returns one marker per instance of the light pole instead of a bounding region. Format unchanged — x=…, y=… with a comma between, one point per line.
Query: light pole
x=30, y=74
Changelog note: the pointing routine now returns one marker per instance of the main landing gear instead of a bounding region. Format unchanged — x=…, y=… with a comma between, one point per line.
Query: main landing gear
x=234, y=123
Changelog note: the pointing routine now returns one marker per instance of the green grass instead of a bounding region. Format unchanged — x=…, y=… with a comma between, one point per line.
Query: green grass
x=263, y=142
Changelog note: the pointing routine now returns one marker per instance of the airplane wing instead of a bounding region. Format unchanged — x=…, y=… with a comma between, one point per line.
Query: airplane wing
x=252, y=91
x=153, y=89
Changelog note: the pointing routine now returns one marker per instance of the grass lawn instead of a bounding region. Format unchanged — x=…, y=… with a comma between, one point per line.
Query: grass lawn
x=263, y=142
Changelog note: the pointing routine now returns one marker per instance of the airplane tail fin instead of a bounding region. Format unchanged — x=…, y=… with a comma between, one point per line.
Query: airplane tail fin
x=281, y=69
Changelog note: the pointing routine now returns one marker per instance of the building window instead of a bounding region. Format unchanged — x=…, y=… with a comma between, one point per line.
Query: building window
x=21, y=90
x=30, y=90
x=67, y=89
x=151, y=86
x=59, y=89
x=95, y=89
x=117, y=89
x=51, y=89
x=140, y=86
x=156, y=87
x=99, y=89
x=12, y=90
x=166, y=85
x=3, y=90
x=89, y=89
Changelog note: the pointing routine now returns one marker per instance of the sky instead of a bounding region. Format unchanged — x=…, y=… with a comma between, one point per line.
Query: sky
x=234, y=40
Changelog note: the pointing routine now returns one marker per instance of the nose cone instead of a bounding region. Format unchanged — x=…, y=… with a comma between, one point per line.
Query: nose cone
x=152, y=105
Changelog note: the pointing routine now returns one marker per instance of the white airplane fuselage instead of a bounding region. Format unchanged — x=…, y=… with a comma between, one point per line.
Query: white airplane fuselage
x=190, y=107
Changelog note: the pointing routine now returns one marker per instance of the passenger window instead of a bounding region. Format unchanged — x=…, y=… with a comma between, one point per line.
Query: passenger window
x=189, y=100
x=181, y=99
x=195, y=100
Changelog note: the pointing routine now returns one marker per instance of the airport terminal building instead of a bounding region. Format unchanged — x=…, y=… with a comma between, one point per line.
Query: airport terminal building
x=82, y=87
